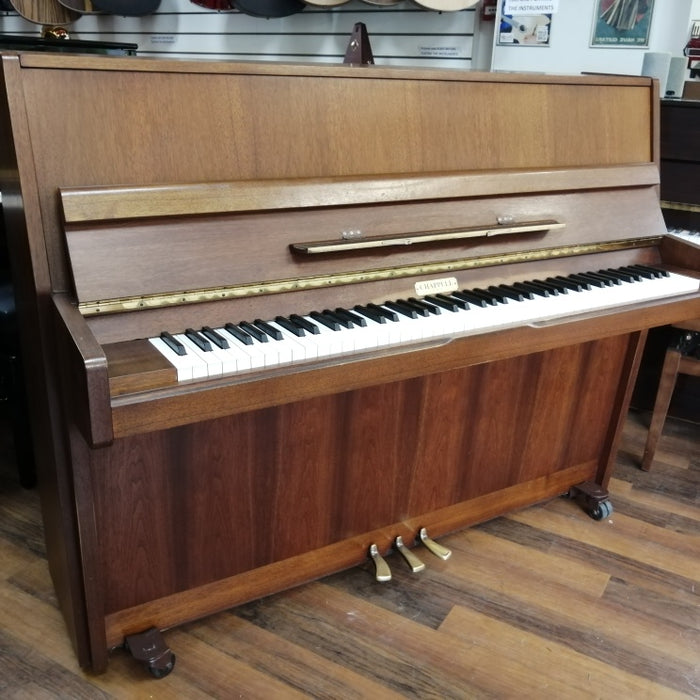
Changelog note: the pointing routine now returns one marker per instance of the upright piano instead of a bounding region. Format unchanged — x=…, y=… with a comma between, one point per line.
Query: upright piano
x=425, y=295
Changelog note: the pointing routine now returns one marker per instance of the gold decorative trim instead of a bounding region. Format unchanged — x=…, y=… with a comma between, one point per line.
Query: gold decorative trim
x=197, y=296
x=681, y=206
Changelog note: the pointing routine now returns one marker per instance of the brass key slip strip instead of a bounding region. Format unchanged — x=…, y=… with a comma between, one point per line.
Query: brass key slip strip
x=151, y=301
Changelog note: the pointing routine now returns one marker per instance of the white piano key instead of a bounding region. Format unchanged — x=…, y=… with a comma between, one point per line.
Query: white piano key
x=212, y=361
x=253, y=352
x=472, y=319
x=299, y=346
x=187, y=366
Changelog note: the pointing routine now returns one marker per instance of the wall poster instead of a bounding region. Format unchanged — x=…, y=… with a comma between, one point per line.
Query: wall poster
x=622, y=23
x=526, y=22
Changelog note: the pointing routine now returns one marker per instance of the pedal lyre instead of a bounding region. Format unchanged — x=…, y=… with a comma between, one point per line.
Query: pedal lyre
x=437, y=549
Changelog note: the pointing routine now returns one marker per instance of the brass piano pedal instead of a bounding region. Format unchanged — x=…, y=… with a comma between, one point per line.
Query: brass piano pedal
x=437, y=549
x=382, y=570
x=411, y=559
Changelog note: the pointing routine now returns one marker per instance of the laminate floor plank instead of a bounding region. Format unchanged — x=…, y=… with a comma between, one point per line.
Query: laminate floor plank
x=543, y=603
x=407, y=657
x=299, y=668
x=614, y=535
x=551, y=669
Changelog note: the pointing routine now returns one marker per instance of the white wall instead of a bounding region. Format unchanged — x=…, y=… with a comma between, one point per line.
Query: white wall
x=570, y=52
x=402, y=34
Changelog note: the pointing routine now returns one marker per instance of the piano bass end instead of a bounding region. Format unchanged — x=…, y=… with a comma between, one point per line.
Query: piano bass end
x=135, y=367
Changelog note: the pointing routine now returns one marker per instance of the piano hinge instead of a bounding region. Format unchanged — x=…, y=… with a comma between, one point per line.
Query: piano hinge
x=198, y=296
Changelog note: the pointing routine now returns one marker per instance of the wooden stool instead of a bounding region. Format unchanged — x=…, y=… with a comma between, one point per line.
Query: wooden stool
x=675, y=363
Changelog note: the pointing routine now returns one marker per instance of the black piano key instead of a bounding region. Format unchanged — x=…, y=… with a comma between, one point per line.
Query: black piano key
x=198, y=339
x=453, y=300
x=531, y=288
x=290, y=326
x=635, y=273
x=443, y=302
x=252, y=330
x=653, y=271
x=552, y=289
x=466, y=295
x=355, y=318
x=602, y=278
x=494, y=293
x=583, y=281
x=342, y=320
x=614, y=279
x=327, y=321
x=304, y=323
x=568, y=283
x=173, y=343
x=619, y=273
x=371, y=314
x=557, y=284
x=274, y=333
x=421, y=309
x=388, y=314
x=423, y=304
x=403, y=309
x=239, y=334
x=215, y=337
x=511, y=292
x=487, y=296
x=594, y=281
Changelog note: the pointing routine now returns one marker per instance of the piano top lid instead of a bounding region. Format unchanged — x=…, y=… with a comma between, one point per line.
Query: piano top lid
x=149, y=65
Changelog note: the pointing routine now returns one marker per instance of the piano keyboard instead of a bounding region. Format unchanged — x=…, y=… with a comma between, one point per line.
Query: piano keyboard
x=693, y=236
x=249, y=345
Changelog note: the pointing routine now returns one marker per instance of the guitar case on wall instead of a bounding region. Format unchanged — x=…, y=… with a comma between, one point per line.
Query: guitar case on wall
x=127, y=8
x=45, y=12
x=84, y=7
x=218, y=5
x=270, y=8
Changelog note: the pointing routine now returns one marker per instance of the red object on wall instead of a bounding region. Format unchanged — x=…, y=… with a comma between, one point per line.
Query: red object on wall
x=488, y=9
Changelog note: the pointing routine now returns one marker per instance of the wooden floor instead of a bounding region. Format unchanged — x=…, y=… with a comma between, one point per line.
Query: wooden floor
x=545, y=603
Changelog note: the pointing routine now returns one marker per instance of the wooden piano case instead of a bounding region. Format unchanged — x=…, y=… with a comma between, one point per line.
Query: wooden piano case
x=145, y=196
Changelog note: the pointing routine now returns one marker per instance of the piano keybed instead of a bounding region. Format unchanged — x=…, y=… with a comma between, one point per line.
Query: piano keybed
x=262, y=343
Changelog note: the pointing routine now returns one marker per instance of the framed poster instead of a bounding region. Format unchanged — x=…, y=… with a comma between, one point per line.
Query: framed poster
x=524, y=24
x=622, y=23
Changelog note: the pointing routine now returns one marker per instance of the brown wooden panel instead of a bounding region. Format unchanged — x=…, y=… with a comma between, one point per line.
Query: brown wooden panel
x=117, y=259
x=264, y=112
x=184, y=507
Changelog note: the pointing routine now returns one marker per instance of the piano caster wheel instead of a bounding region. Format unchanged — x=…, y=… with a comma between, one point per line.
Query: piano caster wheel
x=150, y=648
x=601, y=510
x=593, y=499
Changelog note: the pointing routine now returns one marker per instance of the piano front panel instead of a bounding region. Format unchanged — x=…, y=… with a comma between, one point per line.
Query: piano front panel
x=215, y=499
